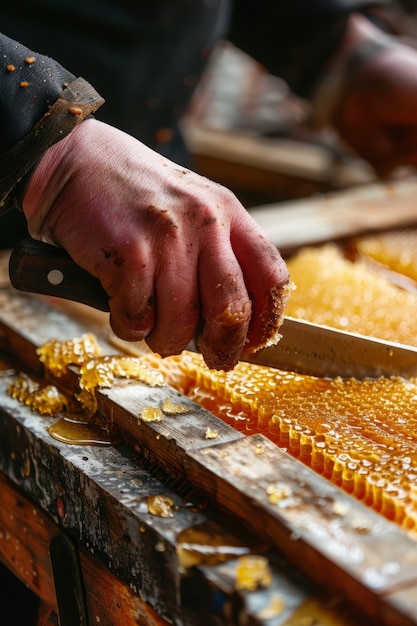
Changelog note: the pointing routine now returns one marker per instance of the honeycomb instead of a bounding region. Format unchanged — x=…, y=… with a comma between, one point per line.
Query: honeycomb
x=334, y=291
x=103, y=371
x=396, y=250
x=58, y=355
x=46, y=399
x=95, y=371
x=361, y=435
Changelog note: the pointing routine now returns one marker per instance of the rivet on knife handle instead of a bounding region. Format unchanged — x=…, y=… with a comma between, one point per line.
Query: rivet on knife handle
x=45, y=269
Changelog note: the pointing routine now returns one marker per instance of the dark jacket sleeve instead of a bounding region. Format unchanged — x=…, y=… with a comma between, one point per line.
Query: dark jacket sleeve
x=40, y=103
x=294, y=38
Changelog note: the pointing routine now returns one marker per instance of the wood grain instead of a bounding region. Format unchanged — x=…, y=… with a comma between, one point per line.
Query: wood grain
x=339, y=214
x=333, y=539
x=26, y=532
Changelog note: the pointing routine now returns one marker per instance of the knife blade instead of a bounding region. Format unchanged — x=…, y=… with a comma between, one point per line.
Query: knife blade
x=305, y=347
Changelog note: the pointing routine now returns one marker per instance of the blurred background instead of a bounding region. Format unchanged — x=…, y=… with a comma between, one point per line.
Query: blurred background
x=247, y=130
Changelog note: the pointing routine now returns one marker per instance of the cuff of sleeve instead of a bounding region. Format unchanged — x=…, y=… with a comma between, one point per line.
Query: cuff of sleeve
x=76, y=102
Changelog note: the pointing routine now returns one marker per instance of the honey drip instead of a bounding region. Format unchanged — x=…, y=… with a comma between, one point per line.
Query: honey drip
x=96, y=371
x=103, y=371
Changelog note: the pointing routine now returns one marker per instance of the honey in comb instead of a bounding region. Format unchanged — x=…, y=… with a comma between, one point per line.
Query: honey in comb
x=58, y=355
x=95, y=371
x=360, y=434
x=336, y=292
x=45, y=399
x=395, y=250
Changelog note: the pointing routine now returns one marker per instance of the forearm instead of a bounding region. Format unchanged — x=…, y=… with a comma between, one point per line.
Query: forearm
x=40, y=103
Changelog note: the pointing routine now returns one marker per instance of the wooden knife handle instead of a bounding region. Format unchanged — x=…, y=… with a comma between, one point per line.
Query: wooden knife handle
x=42, y=268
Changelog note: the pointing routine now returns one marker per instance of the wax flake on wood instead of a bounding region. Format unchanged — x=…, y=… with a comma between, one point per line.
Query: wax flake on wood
x=151, y=414
x=95, y=371
x=161, y=505
x=211, y=433
x=58, y=355
x=45, y=399
x=253, y=572
x=174, y=408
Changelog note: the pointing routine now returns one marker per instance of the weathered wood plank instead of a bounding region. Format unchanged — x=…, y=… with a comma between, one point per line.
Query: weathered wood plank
x=110, y=602
x=99, y=497
x=25, y=534
x=325, y=546
x=333, y=538
x=283, y=167
x=339, y=214
x=166, y=442
x=28, y=321
x=130, y=558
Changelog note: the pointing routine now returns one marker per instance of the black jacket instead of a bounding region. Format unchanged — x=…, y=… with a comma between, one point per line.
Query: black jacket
x=145, y=59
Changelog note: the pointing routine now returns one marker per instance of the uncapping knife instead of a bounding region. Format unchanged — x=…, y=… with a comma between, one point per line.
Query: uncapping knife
x=304, y=347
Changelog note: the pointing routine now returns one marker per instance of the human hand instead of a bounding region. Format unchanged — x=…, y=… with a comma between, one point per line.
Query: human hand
x=376, y=113
x=378, y=116
x=170, y=247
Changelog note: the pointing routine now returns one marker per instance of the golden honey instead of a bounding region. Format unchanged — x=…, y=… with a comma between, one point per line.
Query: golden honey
x=253, y=572
x=151, y=414
x=58, y=355
x=79, y=432
x=45, y=399
x=174, y=408
x=361, y=435
x=161, y=505
x=396, y=250
x=334, y=291
x=95, y=371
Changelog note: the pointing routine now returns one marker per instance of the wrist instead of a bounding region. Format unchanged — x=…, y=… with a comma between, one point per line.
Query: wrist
x=50, y=176
x=75, y=103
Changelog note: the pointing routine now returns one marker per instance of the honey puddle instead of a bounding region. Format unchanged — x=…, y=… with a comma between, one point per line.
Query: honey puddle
x=75, y=431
